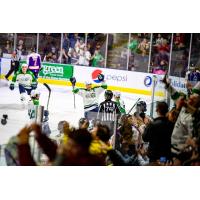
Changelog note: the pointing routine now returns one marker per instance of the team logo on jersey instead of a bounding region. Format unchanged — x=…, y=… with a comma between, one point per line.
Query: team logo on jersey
x=148, y=81
x=95, y=74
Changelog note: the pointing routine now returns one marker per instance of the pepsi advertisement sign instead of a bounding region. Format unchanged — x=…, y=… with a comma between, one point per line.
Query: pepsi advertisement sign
x=95, y=75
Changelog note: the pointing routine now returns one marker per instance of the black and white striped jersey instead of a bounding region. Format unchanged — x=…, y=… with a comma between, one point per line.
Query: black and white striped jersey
x=108, y=111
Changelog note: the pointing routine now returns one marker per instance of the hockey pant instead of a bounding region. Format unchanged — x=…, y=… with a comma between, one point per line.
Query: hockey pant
x=92, y=114
x=22, y=91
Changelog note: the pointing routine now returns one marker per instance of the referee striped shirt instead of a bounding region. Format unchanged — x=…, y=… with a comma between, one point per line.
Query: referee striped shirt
x=108, y=111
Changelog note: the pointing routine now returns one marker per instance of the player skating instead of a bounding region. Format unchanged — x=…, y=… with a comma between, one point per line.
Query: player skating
x=26, y=81
x=91, y=96
x=34, y=62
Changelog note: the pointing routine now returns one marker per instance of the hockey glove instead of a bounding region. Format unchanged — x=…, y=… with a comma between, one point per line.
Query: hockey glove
x=101, y=77
x=75, y=90
x=73, y=81
x=34, y=86
x=12, y=86
x=46, y=113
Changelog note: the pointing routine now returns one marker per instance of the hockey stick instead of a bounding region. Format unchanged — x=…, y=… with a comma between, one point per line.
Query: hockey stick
x=73, y=82
x=49, y=89
x=133, y=106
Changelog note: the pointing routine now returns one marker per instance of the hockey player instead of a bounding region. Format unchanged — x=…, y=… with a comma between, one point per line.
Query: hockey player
x=140, y=119
x=108, y=110
x=26, y=80
x=120, y=102
x=35, y=95
x=33, y=106
x=191, y=78
x=90, y=96
x=34, y=63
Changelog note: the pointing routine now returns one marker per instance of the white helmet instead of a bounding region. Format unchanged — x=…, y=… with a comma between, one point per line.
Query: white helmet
x=88, y=82
x=117, y=94
x=35, y=93
x=25, y=65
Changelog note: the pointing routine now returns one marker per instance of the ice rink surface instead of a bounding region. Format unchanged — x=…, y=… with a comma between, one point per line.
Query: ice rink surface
x=61, y=107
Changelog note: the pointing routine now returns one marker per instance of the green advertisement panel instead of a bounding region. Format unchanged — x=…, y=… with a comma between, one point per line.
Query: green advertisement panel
x=55, y=71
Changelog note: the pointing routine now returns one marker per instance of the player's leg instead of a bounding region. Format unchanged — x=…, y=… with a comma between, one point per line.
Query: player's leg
x=28, y=91
x=9, y=72
x=22, y=92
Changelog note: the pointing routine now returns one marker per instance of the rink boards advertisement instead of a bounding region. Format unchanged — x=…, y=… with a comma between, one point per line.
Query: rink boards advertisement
x=125, y=81
x=121, y=80
x=55, y=71
x=52, y=71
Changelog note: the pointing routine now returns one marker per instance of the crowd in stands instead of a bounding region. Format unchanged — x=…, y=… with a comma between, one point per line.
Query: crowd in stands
x=90, y=49
x=139, y=51
x=161, y=53
x=74, y=48
x=76, y=51
x=171, y=139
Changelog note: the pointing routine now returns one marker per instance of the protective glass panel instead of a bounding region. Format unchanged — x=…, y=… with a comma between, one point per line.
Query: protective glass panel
x=117, y=54
x=139, y=48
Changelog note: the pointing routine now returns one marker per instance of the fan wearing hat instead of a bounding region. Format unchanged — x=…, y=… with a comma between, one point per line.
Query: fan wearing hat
x=90, y=96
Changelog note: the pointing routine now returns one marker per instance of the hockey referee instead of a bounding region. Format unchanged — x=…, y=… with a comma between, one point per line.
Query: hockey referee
x=108, y=110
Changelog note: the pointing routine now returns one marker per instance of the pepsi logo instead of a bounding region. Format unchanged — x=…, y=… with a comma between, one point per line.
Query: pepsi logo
x=95, y=74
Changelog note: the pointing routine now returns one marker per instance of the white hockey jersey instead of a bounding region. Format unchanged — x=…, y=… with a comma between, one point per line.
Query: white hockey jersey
x=90, y=97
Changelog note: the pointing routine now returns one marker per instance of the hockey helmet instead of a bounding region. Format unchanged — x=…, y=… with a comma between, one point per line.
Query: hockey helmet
x=117, y=94
x=82, y=121
x=88, y=82
x=24, y=65
x=108, y=94
x=141, y=106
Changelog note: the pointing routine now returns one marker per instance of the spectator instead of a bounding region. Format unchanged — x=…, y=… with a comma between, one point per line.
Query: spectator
x=87, y=55
x=76, y=151
x=184, y=126
x=72, y=56
x=73, y=39
x=66, y=43
x=81, y=59
x=134, y=44
x=64, y=57
x=158, y=134
x=143, y=47
x=7, y=49
x=159, y=39
x=164, y=46
x=179, y=41
x=161, y=63
x=79, y=46
x=21, y=49
x=97, y=59
x=54, y=58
